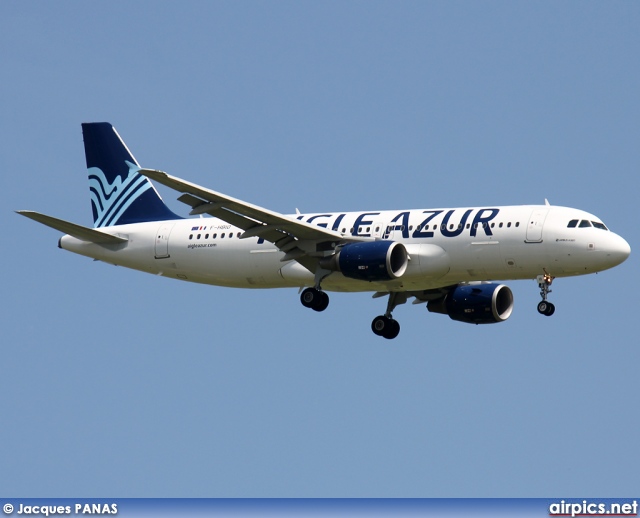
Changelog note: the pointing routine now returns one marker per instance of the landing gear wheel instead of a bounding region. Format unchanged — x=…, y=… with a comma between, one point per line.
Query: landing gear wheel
x=542, y=307
x=394, y=330
x=546, y=308
x=379, y=325
x=309, y=297
x=314, y=299
x=323, y=302
x=385, y=327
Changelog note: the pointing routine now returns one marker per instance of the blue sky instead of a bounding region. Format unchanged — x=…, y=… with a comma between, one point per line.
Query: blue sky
x=120, y=383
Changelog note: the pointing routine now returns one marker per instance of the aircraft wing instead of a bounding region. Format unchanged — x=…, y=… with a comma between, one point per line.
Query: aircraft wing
x=299, y=240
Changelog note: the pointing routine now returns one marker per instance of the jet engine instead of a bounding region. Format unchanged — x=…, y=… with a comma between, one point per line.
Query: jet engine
x=370, y=261
x=486, y=303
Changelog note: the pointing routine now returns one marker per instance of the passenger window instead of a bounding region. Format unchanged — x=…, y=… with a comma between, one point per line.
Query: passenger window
x=509, y=224
x=222, y=236
x=584, y=224
x=199, y=236
x=230, y=234
x=572, y=223
x=500, y=225
x=190, y=236
x=206, y=236
x=215, y=236
x=517, y=223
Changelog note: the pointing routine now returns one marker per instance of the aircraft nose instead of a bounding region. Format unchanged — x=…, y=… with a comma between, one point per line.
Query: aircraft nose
x=618, y=249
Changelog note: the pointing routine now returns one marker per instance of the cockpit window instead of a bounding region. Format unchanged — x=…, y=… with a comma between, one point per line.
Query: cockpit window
x=599, y=225
x=586, y=224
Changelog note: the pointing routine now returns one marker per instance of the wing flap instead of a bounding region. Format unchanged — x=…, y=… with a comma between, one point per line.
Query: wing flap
x=78, y=231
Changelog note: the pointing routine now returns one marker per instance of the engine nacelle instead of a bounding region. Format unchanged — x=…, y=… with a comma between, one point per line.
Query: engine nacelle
x=370, y=261
x=476, y=303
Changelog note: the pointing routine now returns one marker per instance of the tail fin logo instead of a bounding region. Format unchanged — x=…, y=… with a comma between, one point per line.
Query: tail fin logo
x=110, y=200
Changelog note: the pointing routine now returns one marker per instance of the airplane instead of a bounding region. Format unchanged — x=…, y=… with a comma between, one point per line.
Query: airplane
x=446, y=258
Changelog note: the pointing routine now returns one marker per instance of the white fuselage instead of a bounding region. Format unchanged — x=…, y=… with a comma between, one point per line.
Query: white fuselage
x=446, y=247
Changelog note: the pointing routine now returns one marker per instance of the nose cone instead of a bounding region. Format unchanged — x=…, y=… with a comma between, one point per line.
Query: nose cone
x=617, y=249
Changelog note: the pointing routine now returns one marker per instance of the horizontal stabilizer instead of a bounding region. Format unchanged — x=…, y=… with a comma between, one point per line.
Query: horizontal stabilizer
x=77, y=231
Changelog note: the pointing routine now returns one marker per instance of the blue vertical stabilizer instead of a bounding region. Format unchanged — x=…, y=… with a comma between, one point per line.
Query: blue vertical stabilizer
x=119, y=195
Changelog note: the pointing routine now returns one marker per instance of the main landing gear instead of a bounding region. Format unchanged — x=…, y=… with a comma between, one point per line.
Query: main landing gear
x=385, y=325
x=315, y=299
x=545, y=308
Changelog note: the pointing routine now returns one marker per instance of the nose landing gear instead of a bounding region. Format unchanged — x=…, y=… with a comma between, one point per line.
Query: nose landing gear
x=544, y=307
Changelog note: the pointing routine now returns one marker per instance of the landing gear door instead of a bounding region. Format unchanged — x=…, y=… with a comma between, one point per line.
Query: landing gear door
x=535, y=224
x=162, y=240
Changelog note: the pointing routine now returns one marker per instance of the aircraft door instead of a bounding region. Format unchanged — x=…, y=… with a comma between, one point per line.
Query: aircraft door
x=535, y=224
x=393, y=231
x=162, y=240
x=378, y=229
